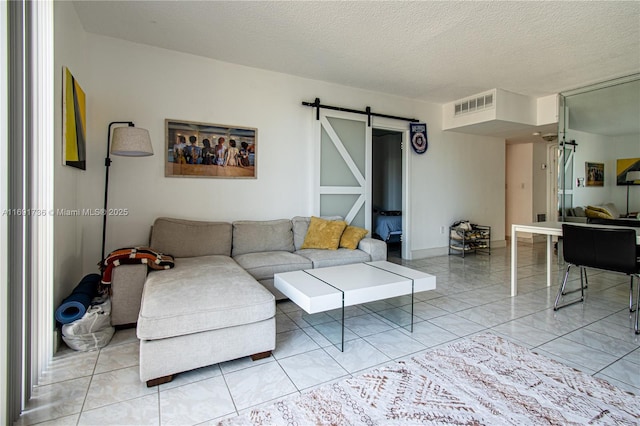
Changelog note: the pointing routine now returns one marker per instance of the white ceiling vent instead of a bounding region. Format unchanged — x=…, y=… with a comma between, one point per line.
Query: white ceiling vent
x=474, y=104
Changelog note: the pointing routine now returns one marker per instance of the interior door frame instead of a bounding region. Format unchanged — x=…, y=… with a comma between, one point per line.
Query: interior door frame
x=403, y=128
x=378, y=123
x=318, y=189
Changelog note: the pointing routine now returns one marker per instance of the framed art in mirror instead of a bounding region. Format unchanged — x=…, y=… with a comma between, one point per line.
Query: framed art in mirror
x=594, y=173
x=625, y=168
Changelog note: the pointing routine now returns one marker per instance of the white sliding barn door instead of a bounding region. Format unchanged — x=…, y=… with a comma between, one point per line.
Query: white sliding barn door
x=343, y=161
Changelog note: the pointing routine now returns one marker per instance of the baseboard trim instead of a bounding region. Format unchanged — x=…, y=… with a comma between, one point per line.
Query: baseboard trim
x=441, y=251
x=421, y=254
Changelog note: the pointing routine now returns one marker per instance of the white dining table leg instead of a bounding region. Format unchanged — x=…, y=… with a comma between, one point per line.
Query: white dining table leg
x=549, y=258
x=514, y=261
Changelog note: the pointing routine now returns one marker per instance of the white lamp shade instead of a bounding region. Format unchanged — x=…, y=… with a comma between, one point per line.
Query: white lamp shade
x=632, y=176
x=131, y=142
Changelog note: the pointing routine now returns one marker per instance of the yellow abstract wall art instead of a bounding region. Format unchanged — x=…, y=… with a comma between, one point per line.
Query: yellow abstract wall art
x=74, y=122
x=624, y=166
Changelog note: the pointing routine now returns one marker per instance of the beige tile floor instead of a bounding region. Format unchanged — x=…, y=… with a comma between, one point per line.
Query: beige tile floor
x=472, y=296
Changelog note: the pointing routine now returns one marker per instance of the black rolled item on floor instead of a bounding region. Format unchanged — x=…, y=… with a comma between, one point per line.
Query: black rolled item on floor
x=76, y=304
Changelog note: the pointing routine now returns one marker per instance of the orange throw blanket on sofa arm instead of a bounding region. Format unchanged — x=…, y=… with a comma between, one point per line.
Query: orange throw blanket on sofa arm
x=134, y=255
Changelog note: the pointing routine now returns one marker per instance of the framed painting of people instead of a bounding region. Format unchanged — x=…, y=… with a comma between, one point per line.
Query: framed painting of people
x=210, y=150
x=595, y=174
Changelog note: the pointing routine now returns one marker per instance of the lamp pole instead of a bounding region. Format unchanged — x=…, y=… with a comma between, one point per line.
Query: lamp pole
x=107, y=164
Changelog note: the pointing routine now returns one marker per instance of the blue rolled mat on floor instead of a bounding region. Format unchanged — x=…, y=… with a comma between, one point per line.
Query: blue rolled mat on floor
x=76, y=304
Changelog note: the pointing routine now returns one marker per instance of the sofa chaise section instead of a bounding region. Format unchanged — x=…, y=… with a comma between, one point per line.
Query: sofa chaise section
x=204, y=311
x=201, y=294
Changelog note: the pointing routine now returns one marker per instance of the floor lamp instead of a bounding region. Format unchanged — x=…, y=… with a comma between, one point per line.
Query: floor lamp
x=630, y=178
x=129, y=141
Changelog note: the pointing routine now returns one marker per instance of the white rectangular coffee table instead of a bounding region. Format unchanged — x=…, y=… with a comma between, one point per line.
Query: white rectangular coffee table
x=323, y=289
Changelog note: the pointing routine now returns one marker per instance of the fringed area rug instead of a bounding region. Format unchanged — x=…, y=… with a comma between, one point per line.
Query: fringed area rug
x=484, y=380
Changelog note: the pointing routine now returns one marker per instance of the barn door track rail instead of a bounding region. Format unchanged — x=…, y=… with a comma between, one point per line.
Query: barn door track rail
x=316, y=104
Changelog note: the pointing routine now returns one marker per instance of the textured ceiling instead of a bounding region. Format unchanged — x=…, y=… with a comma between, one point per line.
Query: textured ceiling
x=433, y=51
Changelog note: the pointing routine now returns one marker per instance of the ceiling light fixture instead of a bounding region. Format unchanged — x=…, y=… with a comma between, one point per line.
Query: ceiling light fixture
x=550, y=137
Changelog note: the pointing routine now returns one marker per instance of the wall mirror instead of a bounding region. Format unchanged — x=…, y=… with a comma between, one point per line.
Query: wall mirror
x=598, y=126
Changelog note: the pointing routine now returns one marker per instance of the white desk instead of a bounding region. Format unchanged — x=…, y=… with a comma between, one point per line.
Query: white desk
x=550, y=229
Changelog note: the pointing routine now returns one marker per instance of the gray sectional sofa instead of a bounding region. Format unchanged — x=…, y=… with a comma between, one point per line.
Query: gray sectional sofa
x=218, y=302
x=585, y=214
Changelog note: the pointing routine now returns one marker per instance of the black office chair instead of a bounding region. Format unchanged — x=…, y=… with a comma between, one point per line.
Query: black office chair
x=609, y=249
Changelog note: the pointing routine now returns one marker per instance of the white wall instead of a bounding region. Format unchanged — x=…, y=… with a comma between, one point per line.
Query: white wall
x=70, y=51
x=604, y=149
x=547, y=110
x=461, y=176
x=514, y=107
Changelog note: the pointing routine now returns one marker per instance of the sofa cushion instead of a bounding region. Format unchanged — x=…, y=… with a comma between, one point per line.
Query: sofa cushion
x=260, y=236
x=352, y=236
x=190, y=238
x=324, y=258
x=264, y=265
x=300, y=227
x=611, y=209
x=200, y=294
x=324, y=234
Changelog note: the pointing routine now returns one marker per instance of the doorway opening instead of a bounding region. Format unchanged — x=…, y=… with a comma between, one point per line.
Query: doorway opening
x=386, y=189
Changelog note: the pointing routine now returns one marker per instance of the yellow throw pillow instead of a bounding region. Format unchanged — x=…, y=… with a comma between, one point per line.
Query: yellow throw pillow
x=598, y=211
x=352, y=236
x=323, y=234
x=597, y=208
